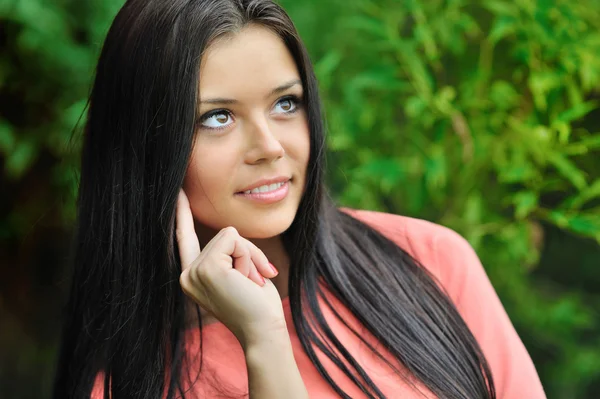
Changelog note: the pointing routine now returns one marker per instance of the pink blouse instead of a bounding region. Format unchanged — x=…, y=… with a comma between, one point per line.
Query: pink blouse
x=450, y=258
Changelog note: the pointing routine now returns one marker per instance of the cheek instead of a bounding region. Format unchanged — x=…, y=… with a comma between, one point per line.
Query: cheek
x=208, y=175
x=304, y=146
x=298, y=145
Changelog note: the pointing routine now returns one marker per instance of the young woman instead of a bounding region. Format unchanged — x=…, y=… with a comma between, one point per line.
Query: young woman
x=202, y=167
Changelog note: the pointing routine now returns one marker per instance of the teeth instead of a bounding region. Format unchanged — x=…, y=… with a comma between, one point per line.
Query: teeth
x=264, y=189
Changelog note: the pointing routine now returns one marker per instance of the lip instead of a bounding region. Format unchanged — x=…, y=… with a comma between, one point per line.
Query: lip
x=263, y=182
x=270, y=197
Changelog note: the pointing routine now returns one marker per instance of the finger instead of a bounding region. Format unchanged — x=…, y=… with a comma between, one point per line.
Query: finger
x=241, y=257
x=260, y=260
x=195, y=271
x=187, y=240
x=256, y=276
x=230, y=243
x=238, y=248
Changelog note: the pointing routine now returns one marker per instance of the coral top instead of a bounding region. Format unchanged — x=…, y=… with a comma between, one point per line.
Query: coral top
x=450, y=258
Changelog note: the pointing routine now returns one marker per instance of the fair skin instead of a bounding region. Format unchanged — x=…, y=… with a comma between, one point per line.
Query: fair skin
x=252, y=127
x=257, y=139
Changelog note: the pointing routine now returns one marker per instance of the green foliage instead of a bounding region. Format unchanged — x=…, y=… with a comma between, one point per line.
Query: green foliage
x=480, y=115
x=45, y=73
x=483, y=116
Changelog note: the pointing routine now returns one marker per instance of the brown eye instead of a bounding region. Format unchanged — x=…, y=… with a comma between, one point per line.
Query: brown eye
x=217, y=120
x=286, y=106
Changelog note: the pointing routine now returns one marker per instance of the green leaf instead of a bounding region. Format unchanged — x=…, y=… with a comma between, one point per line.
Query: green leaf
x=388, y=172
x=473, y=210
x=517, y=172
x=327, y=65
x=558, y=218
x=20, y=159
x=568, y=169
x=504, y=95
x=578, y=111
x=587, y=194
x=424, y=35
x=436, y=172
x=564, y=131
x=501, y=7
x=339, y=141
x=525, y=202
x=585, y=224
x=366, y=25
x=583, y=146
x=589, y=72
x=540, y=84
x=443, y=100
x=591, y=143
x=382, y=78
x=7, y=138
x=414, y=106
x=503, y=27
x=411, y=61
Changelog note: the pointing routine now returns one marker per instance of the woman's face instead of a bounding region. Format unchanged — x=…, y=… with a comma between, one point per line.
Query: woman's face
x=252, y=133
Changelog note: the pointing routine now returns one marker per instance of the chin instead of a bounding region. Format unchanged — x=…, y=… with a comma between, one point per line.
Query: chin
x=262, y=228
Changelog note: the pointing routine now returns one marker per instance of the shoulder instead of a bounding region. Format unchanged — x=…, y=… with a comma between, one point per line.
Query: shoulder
x=421, y=238
x=457, y=269
x=442, y=251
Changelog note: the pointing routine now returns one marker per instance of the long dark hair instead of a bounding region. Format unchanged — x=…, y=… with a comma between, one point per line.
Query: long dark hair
x=126, y=311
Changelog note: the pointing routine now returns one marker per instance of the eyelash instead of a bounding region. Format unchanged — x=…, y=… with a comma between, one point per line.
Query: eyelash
x=292, y=97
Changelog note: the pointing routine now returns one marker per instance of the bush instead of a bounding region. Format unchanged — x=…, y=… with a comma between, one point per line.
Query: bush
x=482, y=116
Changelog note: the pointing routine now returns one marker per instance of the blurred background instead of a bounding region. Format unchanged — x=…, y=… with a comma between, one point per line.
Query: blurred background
x=482, y=115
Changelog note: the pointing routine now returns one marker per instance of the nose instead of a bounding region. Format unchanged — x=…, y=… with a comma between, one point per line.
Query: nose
x=264, y=144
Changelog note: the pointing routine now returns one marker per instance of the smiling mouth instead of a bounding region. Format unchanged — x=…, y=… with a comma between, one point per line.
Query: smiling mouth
x=266, y=185
x=267, y=188
x=267, y=193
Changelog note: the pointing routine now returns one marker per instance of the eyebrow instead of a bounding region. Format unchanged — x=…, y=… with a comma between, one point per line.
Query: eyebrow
x=276, y=90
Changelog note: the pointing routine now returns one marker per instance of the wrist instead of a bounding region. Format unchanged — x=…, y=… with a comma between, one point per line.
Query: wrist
x=272, y=368
x=265, y=334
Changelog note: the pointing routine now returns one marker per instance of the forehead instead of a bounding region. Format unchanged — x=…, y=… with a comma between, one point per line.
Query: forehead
x=253, y=59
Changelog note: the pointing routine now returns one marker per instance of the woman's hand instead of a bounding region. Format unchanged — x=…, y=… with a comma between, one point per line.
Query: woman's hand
x=226, y=279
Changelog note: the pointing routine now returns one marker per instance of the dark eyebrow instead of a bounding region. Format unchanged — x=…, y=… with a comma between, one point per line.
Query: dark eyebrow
x=285, y=86
x=276, y=90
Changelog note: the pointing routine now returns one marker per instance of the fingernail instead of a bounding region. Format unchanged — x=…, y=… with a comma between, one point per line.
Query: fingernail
x=274, y=269
x=262, y=279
